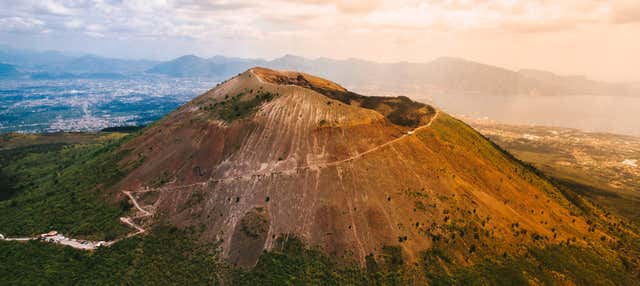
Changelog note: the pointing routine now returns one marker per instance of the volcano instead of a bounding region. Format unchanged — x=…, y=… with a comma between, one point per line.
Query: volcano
x=273, y=154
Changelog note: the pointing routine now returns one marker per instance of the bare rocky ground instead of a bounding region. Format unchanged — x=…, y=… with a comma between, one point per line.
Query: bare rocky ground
x=346, y=173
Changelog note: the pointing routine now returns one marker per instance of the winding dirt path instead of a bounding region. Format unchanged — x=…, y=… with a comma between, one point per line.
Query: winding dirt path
x=294, y=169
x=409, y=133
x=129, y=220
x=55, y=237
x=135, y=204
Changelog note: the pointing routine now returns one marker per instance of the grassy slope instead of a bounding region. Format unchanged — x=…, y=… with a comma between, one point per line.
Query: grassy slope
x=589, y=185
x=553, y=265
x=593, y=183
x=57, y=187
x=461, y=136
x=595, y=262
x=239, y=106
x=17, y=140
x=165, y=257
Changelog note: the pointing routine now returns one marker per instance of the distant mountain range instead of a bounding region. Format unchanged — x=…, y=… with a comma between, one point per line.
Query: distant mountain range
x=441, y=75
x=445, y=74
x=54, y=64
x=217, y=66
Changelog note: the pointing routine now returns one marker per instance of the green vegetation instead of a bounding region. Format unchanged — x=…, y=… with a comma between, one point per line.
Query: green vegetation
x=547, y=266
x=572, y=196
x=239, y=106
x=123, y=129
x=603, y=180
x=292, y=263
x=18, y=140
x=58, y=187
x=459, y=136
x=167, y=256
x=9, y=181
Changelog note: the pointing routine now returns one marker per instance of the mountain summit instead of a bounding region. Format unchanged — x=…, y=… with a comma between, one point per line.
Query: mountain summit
x=273, y=154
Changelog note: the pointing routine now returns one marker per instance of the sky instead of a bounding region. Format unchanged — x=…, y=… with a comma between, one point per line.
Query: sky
x=596, y=38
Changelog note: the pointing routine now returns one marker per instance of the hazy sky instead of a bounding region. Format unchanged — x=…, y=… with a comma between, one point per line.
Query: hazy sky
x=600, y=39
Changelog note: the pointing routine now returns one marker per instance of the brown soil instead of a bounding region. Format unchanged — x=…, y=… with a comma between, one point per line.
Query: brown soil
x=340, y=171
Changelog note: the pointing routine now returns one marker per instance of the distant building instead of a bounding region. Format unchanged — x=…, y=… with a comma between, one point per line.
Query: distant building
x=49, y=234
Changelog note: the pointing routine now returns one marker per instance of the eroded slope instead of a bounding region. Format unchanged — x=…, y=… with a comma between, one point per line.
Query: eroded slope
x=270, y=154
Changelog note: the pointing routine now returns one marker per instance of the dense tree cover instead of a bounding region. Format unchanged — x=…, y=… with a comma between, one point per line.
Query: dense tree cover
x=167, y=256
x=10, y=179
x=123, y=129
x=551, y=265
x=57, y=187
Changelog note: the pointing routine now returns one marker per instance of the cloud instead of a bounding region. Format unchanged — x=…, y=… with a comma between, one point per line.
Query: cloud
x=376, y=29
x=53, y=8
x=215, y=5
x=21, y=25
x=357, y=6
x=259, y=19
x=539, y=27
x=74, y=23
x=625, y=12
x=547, y=26
x=344, y=6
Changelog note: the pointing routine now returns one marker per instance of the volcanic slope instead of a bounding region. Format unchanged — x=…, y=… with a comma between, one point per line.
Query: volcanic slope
x=271, y=154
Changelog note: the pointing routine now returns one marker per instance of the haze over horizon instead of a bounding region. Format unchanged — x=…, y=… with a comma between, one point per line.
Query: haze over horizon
x=592, y=38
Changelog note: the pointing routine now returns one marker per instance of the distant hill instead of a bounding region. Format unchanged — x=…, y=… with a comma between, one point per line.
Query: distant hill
x=54, y=62
x=188, y=65
x=96, y=65
x=443, y=74
x=218, y=66
x=33, y=59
